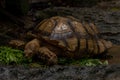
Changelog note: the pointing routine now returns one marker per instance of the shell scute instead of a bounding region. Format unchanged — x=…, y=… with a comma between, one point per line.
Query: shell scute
x=73, y=35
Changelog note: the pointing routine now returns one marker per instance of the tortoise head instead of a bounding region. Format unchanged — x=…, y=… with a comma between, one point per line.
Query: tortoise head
x=28, y=53
x=31, y=48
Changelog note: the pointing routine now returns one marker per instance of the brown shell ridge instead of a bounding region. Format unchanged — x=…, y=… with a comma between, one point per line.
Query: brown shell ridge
x=53, y=28
x=77, y=35
x=96, y=40
x=66, y=29
x=104, y=45
x=39, y=24
x=58, y=36
x=43, y=23
x=83, y=24
x=96, y=37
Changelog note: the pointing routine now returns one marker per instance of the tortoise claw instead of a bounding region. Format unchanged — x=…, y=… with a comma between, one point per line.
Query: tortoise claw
x=48, y=56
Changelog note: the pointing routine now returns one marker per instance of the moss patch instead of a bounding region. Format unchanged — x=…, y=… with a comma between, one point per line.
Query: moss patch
x=82, y=62
x=115, y=9
x=12, y=56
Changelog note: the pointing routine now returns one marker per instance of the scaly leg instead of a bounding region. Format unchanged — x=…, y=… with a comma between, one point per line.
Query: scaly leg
x=48, y=56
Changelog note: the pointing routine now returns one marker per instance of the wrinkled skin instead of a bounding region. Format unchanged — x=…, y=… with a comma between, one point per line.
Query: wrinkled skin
x=33, y=48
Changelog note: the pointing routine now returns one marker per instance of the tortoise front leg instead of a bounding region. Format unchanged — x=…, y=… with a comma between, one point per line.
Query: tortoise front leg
x=48, y=56
x=33, y=48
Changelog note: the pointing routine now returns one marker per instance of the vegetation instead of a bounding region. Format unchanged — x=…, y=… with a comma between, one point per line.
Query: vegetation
x=115, y=9
x=82, y=62
x=12, y=56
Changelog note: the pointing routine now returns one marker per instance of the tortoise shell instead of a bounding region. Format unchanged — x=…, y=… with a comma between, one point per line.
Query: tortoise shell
x=72, y=35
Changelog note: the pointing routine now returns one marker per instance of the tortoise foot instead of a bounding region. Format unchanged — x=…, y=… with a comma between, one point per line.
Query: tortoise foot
x=48, y=56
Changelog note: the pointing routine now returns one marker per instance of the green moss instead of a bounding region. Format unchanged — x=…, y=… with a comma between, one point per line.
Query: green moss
x=82, y=62
x=12, y=56
x=115, y=9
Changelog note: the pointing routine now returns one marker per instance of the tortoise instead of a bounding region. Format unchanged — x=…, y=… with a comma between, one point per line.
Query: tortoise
x=65, y=37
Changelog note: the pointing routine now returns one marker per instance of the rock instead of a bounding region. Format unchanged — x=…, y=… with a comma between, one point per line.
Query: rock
x=56, y=72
